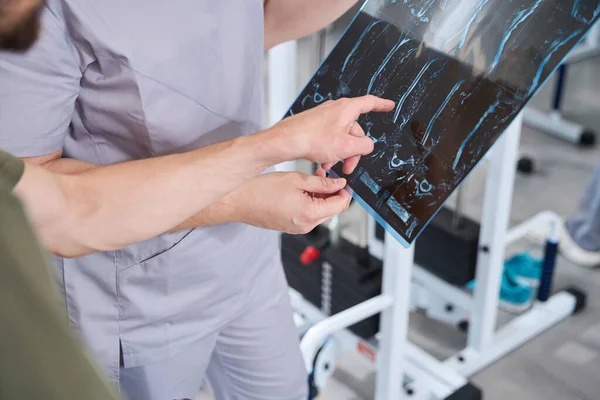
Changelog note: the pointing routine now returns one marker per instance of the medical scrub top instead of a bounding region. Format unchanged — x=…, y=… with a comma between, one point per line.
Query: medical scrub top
x=40, y=358
x=112, y=81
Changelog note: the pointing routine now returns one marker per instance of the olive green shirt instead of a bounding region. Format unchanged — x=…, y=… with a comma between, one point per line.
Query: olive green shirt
x=40, y=357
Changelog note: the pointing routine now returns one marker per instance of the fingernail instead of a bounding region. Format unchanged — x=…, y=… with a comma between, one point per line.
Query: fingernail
x=341, y=181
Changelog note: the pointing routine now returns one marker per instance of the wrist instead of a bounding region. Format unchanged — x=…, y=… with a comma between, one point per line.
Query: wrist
x=229, y=208
x=279, y=144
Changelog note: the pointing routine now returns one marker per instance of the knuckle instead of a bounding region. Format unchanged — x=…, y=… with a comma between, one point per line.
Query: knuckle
x=372, y=101
x=345, y=146
x=343, y=101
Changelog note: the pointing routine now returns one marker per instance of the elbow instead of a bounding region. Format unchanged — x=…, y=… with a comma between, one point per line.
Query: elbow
x=69, y=243
x=67, y=252
x=69, y=233
x=62, y=241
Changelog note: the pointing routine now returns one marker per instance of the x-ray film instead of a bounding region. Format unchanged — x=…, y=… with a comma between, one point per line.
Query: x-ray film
x=459, y=71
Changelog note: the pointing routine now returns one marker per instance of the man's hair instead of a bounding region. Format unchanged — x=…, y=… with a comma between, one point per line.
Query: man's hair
x=19, y=24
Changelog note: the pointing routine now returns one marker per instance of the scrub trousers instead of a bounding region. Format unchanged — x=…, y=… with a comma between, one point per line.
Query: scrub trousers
x=584, y=224
x=255, y=356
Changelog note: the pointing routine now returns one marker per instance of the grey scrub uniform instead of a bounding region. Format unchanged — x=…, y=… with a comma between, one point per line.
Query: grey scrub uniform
x=111, y=81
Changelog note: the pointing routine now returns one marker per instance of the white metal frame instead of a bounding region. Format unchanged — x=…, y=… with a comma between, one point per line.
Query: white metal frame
x=554, y=124
x=400, y=363
x=396, y=357
x=496, y=211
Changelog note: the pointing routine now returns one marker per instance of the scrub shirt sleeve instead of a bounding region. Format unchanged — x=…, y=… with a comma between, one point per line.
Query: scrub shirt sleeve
x=38, y=90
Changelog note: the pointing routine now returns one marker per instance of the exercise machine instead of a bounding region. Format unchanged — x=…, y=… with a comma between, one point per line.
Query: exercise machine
x=358, y=296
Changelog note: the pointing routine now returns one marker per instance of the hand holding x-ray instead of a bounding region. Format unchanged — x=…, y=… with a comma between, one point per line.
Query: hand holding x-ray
x=328, y=133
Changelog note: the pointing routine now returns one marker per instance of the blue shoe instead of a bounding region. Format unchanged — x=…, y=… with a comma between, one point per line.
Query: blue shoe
x=525, y=268
x=515, y=297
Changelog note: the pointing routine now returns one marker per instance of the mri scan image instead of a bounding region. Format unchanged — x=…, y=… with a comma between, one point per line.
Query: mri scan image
x=459, y=71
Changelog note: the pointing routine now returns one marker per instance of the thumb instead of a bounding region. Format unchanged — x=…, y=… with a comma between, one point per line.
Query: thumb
x=322, y=185
x=332, y=205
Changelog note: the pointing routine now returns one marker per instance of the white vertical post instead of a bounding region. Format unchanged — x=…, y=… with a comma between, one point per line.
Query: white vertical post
x=397, y=267
x=494, y=225
x=375, y=245
x=282, y=86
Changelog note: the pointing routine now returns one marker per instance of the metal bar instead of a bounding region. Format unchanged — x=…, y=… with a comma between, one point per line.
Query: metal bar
x=391, y=363
x=436, y=369
x=335, y=230
x=326, y=287
x=316, y=335
x=494, y=224
x=429, y=377
x=516, y=333
x=363, y=239
x=375, y=245
x=460, y=298
x=547, y=276
x=553, y=124
x=545, y=217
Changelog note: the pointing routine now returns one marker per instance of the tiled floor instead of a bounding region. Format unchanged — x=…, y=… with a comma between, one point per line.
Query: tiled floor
x=563, y=363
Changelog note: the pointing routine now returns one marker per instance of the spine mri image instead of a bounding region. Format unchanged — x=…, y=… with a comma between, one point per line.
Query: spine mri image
x=459, y=71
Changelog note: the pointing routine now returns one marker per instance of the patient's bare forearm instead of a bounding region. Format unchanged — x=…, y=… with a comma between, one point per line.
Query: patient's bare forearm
x=90, y=208
x=219, y=212
x=222, y=211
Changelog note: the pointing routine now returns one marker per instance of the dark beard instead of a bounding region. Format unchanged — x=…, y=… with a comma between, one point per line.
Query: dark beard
x=24, y=34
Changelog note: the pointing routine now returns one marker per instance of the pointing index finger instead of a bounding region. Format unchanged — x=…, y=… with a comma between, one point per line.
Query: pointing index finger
x=368, y=103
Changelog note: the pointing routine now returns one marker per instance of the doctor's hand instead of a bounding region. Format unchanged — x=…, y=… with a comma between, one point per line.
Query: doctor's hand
x=329, y=133
x=290, y=202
